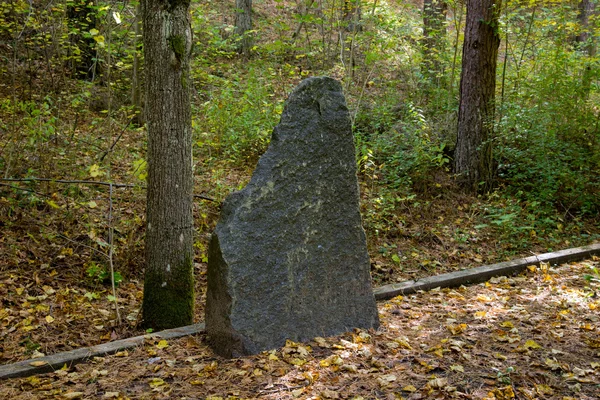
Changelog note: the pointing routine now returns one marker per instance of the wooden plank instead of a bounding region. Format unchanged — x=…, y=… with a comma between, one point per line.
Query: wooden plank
x=57, y=361
x=480, y=274
x=474, y=275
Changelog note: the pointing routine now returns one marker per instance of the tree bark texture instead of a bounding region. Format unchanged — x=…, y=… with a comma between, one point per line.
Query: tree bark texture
x=473, y=153
x=168, y=283
x=586, y=10
x=434, y=35
x=586, y=42
x=243, y=24
x=81, y=19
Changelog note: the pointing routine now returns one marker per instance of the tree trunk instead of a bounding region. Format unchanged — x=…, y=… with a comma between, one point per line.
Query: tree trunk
x=473, y=153
x=586, y=9
x=243, y=24
x=136, y=82
x=168, y=281
x=81, y=19
x=586, y=42
x=434, y=35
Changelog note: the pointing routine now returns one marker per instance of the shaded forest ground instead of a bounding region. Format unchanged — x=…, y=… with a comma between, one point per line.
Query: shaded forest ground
x=532, y=336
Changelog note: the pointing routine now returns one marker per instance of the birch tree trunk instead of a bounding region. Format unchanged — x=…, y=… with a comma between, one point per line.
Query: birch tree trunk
x=168, y=281
x=434, y=36
x=473, y=153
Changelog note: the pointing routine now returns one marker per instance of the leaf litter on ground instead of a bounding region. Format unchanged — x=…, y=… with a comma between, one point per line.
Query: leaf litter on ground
x=530, y=336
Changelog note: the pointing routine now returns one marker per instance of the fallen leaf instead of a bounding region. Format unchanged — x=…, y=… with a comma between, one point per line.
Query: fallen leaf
x=458, y=368
x=163, y=344
x=73, y=395
x=438, y=383
x=156, y=382
x=386, y=380
x=38, y=363
x=457, y=329
x=530, y=344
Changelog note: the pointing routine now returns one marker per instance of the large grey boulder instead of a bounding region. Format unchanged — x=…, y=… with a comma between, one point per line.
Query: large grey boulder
x=288, y=258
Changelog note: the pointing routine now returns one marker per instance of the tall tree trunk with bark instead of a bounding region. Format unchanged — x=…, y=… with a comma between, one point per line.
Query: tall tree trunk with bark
x=81, y=18
x=434, y=35
x=168, y=280
x=136, y=82
x=473, y=153
x=243, y=25
x=585, y=40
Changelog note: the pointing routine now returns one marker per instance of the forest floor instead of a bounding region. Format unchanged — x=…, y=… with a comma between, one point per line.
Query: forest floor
x=532, y=336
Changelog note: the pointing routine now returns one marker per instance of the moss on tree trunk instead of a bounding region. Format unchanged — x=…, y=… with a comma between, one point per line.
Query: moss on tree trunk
x=168, y=283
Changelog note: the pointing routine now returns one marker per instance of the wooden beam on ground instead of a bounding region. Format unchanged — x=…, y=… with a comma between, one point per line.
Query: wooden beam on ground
x=481, y=274
x=57, y=361
x=474, y=275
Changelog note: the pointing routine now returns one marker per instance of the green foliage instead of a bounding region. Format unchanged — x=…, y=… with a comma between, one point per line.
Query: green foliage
x=101, y=275
x=594, y=276
x=547, y=147
x=237, y=120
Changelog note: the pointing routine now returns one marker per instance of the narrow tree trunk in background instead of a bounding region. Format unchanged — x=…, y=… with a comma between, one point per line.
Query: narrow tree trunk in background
x=473, y=153
x=168, y=281
x=585, y=40
x=434, y=36
x=136, y=82
x=243, y=24
x=351, y=15
x=81, y=18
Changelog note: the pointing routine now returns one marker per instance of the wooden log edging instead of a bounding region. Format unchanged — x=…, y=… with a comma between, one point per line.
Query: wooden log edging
x=57, y=361
x=480, y=274
x=473, y=275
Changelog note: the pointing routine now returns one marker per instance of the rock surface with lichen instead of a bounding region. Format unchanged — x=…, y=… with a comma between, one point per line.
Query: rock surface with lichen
x=288, y=258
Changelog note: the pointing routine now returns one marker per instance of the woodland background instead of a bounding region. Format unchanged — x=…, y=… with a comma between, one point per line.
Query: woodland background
x=72, y=143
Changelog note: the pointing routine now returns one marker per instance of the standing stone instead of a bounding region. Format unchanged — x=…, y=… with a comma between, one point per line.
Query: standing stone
x=288, y=258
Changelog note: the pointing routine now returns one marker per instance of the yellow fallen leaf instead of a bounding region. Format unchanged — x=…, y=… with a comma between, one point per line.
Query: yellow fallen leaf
x=483, y=298
x=163, y=344
x=156, y=382
x=480, y=314
x=544, y=390
x=458, y=368
x=19, y=290
x=403, y=341
x=123, y=353
x=38, y=363
x=587, y=327
x=530, y=344
x=49, y=319
x=297, y=361
x=273, y=357
x=507, y=324
x=409, y=388
x=457, y=329
x=553, y=364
